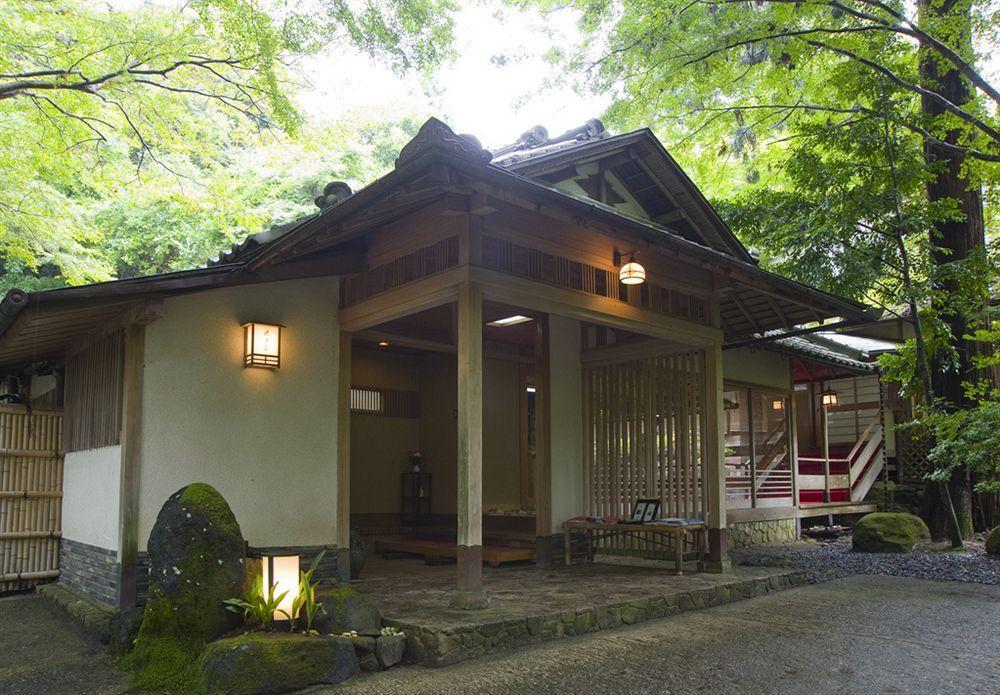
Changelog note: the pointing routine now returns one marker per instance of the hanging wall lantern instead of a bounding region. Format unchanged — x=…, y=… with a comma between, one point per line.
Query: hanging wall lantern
x=631, y=273
x=778, y=404
x=261, y=345
x=281, y=572
x=828, y=397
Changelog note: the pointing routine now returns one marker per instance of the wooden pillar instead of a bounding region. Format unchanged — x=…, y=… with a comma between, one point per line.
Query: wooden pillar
x=543, y=460
x=344, y=457
x=131, y=433
x=469, y=580
x=714, y=462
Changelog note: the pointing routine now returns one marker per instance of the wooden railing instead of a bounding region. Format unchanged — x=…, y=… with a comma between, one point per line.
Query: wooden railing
x=863, y=464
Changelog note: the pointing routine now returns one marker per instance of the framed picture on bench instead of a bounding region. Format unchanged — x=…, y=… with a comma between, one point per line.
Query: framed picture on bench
x=644, y=510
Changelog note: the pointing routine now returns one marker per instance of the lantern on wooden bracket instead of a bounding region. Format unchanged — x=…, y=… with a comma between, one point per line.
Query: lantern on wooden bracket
x=778, y=404
x=282, y=573
x=630, y=273
x=828, y=397
x=261, y=345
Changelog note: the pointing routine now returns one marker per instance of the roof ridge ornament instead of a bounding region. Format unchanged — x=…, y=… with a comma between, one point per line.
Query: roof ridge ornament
x=436, y=135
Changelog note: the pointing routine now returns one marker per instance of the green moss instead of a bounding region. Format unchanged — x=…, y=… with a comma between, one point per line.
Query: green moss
x=273, y=662
x=164, y=664
x=889, y=532
x=207, y=500
x=993, y=542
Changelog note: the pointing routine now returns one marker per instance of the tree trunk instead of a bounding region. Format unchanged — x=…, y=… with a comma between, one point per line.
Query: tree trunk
x=954, y=239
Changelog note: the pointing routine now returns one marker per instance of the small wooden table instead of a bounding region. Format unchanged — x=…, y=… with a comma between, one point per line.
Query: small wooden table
x=663, y=535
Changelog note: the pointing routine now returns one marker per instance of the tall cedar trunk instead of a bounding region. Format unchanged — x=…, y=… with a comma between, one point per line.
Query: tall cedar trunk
x=954, y=239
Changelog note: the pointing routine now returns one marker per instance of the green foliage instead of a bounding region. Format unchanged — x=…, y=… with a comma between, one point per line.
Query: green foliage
x=146, y=138
x=258, y=605
x=305, y=604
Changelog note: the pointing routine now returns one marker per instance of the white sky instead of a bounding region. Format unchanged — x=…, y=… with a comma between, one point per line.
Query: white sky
x=496, y=103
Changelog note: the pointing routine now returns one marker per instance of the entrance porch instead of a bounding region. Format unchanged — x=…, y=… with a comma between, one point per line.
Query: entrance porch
x=527, y=412
x=530, y=604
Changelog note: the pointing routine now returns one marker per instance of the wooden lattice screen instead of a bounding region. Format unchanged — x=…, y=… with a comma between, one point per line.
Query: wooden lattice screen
x=912, y=456
x=644, y=427
x=31, y=472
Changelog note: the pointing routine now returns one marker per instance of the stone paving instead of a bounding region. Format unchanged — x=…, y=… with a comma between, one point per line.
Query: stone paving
x=529, y=605
x=862, y=634
x=45, y=650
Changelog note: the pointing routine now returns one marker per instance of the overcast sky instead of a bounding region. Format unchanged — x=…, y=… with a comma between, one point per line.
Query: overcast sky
x=495, y=89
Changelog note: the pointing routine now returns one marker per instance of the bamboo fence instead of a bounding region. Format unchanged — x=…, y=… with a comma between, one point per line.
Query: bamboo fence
x=31, y=476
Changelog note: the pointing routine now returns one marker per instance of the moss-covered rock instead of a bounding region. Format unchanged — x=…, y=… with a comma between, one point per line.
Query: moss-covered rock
x=260, y=662
x=197, y=558
x=348, y=610
x=993, y=542
x=889, y=532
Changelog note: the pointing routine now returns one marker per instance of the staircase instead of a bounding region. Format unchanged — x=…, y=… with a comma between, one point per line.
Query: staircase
x=852, y=472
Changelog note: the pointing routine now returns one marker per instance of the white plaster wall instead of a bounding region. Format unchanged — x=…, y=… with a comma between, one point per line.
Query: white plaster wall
x=760, y=367
x=266, y=439
x=566, y=451
x=90, y=496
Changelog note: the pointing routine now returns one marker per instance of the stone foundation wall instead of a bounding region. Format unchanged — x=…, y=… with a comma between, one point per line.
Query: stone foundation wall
x=438, y=647
x=749, y=533
x=89, y=569
x=326, y=570
x=578, y=551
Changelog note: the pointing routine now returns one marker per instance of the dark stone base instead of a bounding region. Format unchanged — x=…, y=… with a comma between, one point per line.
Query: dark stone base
x=93, y=615
x=467, y=600
x=578, y=549
x=89, y=569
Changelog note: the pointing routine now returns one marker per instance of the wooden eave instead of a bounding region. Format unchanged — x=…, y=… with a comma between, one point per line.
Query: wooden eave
x=751, y=300
x=644, y=148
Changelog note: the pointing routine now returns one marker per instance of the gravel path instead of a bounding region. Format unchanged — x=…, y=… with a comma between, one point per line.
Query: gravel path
x=826, y=560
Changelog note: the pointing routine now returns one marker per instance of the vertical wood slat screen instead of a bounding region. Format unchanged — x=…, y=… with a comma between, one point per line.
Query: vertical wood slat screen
x=31, y=474
x=643, y=435
x=93, y=398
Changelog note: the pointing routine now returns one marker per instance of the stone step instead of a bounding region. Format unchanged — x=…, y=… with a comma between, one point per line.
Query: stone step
x=449, y=643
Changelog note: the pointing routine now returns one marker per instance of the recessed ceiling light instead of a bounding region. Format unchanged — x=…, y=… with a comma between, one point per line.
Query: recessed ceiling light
x=383, y=343
x=510, y=321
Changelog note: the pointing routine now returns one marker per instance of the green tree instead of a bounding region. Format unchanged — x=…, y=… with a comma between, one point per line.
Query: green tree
x=847, y=139
x=97, y=102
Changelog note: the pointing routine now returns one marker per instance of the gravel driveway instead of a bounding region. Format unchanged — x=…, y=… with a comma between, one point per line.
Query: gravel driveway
x=860, y=634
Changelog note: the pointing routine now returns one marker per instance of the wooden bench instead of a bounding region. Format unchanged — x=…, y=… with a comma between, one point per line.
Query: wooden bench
x=663, y=535
x=435, y=549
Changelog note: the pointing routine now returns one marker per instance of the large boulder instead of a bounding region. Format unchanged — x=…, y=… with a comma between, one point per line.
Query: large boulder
x=197, y=559
x=889, y=532
x=262, y=662
x=347, y=610
x=993, y=542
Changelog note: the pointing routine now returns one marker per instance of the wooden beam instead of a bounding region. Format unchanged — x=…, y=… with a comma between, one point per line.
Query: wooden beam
x=128, y=485
x=426, y=293
x=469, y=585
x=343, y=521
x=545, y=298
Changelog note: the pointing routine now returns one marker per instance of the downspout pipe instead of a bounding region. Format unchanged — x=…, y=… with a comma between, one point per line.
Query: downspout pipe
x=11, y=307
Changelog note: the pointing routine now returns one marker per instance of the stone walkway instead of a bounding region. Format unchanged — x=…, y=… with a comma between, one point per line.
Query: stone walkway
x=43, y=650
x=529, y=604
x=861, y=634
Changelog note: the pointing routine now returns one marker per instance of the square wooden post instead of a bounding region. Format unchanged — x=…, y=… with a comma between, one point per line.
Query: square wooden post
x=344, y=457
x=714, y=461
x=469, y=580
x=131, y=432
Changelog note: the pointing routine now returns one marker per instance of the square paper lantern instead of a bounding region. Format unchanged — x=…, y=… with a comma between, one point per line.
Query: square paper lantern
x=282, y=572
x=828, y=397
x=261, y=345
